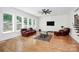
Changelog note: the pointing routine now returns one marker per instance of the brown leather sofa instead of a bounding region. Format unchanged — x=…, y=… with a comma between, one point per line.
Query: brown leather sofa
x=63, y=32
x=27, y=32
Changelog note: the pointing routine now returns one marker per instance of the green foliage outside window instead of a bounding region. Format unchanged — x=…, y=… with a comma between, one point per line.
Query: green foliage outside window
x=7, y=22
x=30, y=23
x=25, y=21
x=7, y=17
x=19, y=19
x=19, y=22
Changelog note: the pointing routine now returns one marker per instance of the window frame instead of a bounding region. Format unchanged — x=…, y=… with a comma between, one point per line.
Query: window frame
x=18, y=23
x=25, y=24
x=9, y=31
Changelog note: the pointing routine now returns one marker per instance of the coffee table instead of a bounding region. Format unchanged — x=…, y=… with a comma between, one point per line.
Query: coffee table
x=43, y=35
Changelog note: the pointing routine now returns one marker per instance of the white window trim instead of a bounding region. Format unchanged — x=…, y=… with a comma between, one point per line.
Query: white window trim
x=7, y=32
x=12, y=25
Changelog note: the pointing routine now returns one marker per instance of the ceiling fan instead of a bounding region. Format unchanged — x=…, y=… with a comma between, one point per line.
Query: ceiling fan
x=46, y=11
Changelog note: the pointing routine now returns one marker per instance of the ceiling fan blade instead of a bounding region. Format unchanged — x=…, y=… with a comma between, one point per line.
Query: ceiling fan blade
x=47, y=10
x=50, y=11
x=43, y=9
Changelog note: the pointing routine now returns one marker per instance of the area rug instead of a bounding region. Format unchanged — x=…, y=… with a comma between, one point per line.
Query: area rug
x=47, y=38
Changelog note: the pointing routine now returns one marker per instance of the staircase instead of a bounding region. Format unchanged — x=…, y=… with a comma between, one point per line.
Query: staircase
x=77, y=29
x=76, y=23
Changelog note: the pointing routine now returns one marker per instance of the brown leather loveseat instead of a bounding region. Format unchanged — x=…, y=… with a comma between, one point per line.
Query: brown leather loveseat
x=63, y=32
x=27, y=32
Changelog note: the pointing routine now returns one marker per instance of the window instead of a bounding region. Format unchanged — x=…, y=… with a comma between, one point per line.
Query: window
x=7, y=22
x=33, y=22
x=30, y=23
x=19, y=22
x=25, y=22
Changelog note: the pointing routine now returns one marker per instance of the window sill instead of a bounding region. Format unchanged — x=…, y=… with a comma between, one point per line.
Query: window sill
x=7, y=32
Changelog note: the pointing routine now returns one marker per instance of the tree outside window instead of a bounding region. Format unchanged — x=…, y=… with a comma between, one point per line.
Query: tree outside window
x=25, y=22
x=19, y=22
x=7, y=22
x=30, y=23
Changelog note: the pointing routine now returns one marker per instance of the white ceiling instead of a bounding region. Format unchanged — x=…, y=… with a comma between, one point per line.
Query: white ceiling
x=55, y=10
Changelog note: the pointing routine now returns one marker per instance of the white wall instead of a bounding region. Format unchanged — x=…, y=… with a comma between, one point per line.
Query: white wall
x=15, y=12
x=60, y=20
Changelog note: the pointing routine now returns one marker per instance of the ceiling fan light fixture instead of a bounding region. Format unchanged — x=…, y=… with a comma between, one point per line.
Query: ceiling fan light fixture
x=46, y=11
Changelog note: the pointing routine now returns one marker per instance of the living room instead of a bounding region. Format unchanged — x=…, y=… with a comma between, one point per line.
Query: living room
x=16, y=21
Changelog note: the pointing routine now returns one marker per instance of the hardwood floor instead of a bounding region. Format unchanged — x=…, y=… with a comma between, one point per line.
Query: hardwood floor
x=29, y=44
